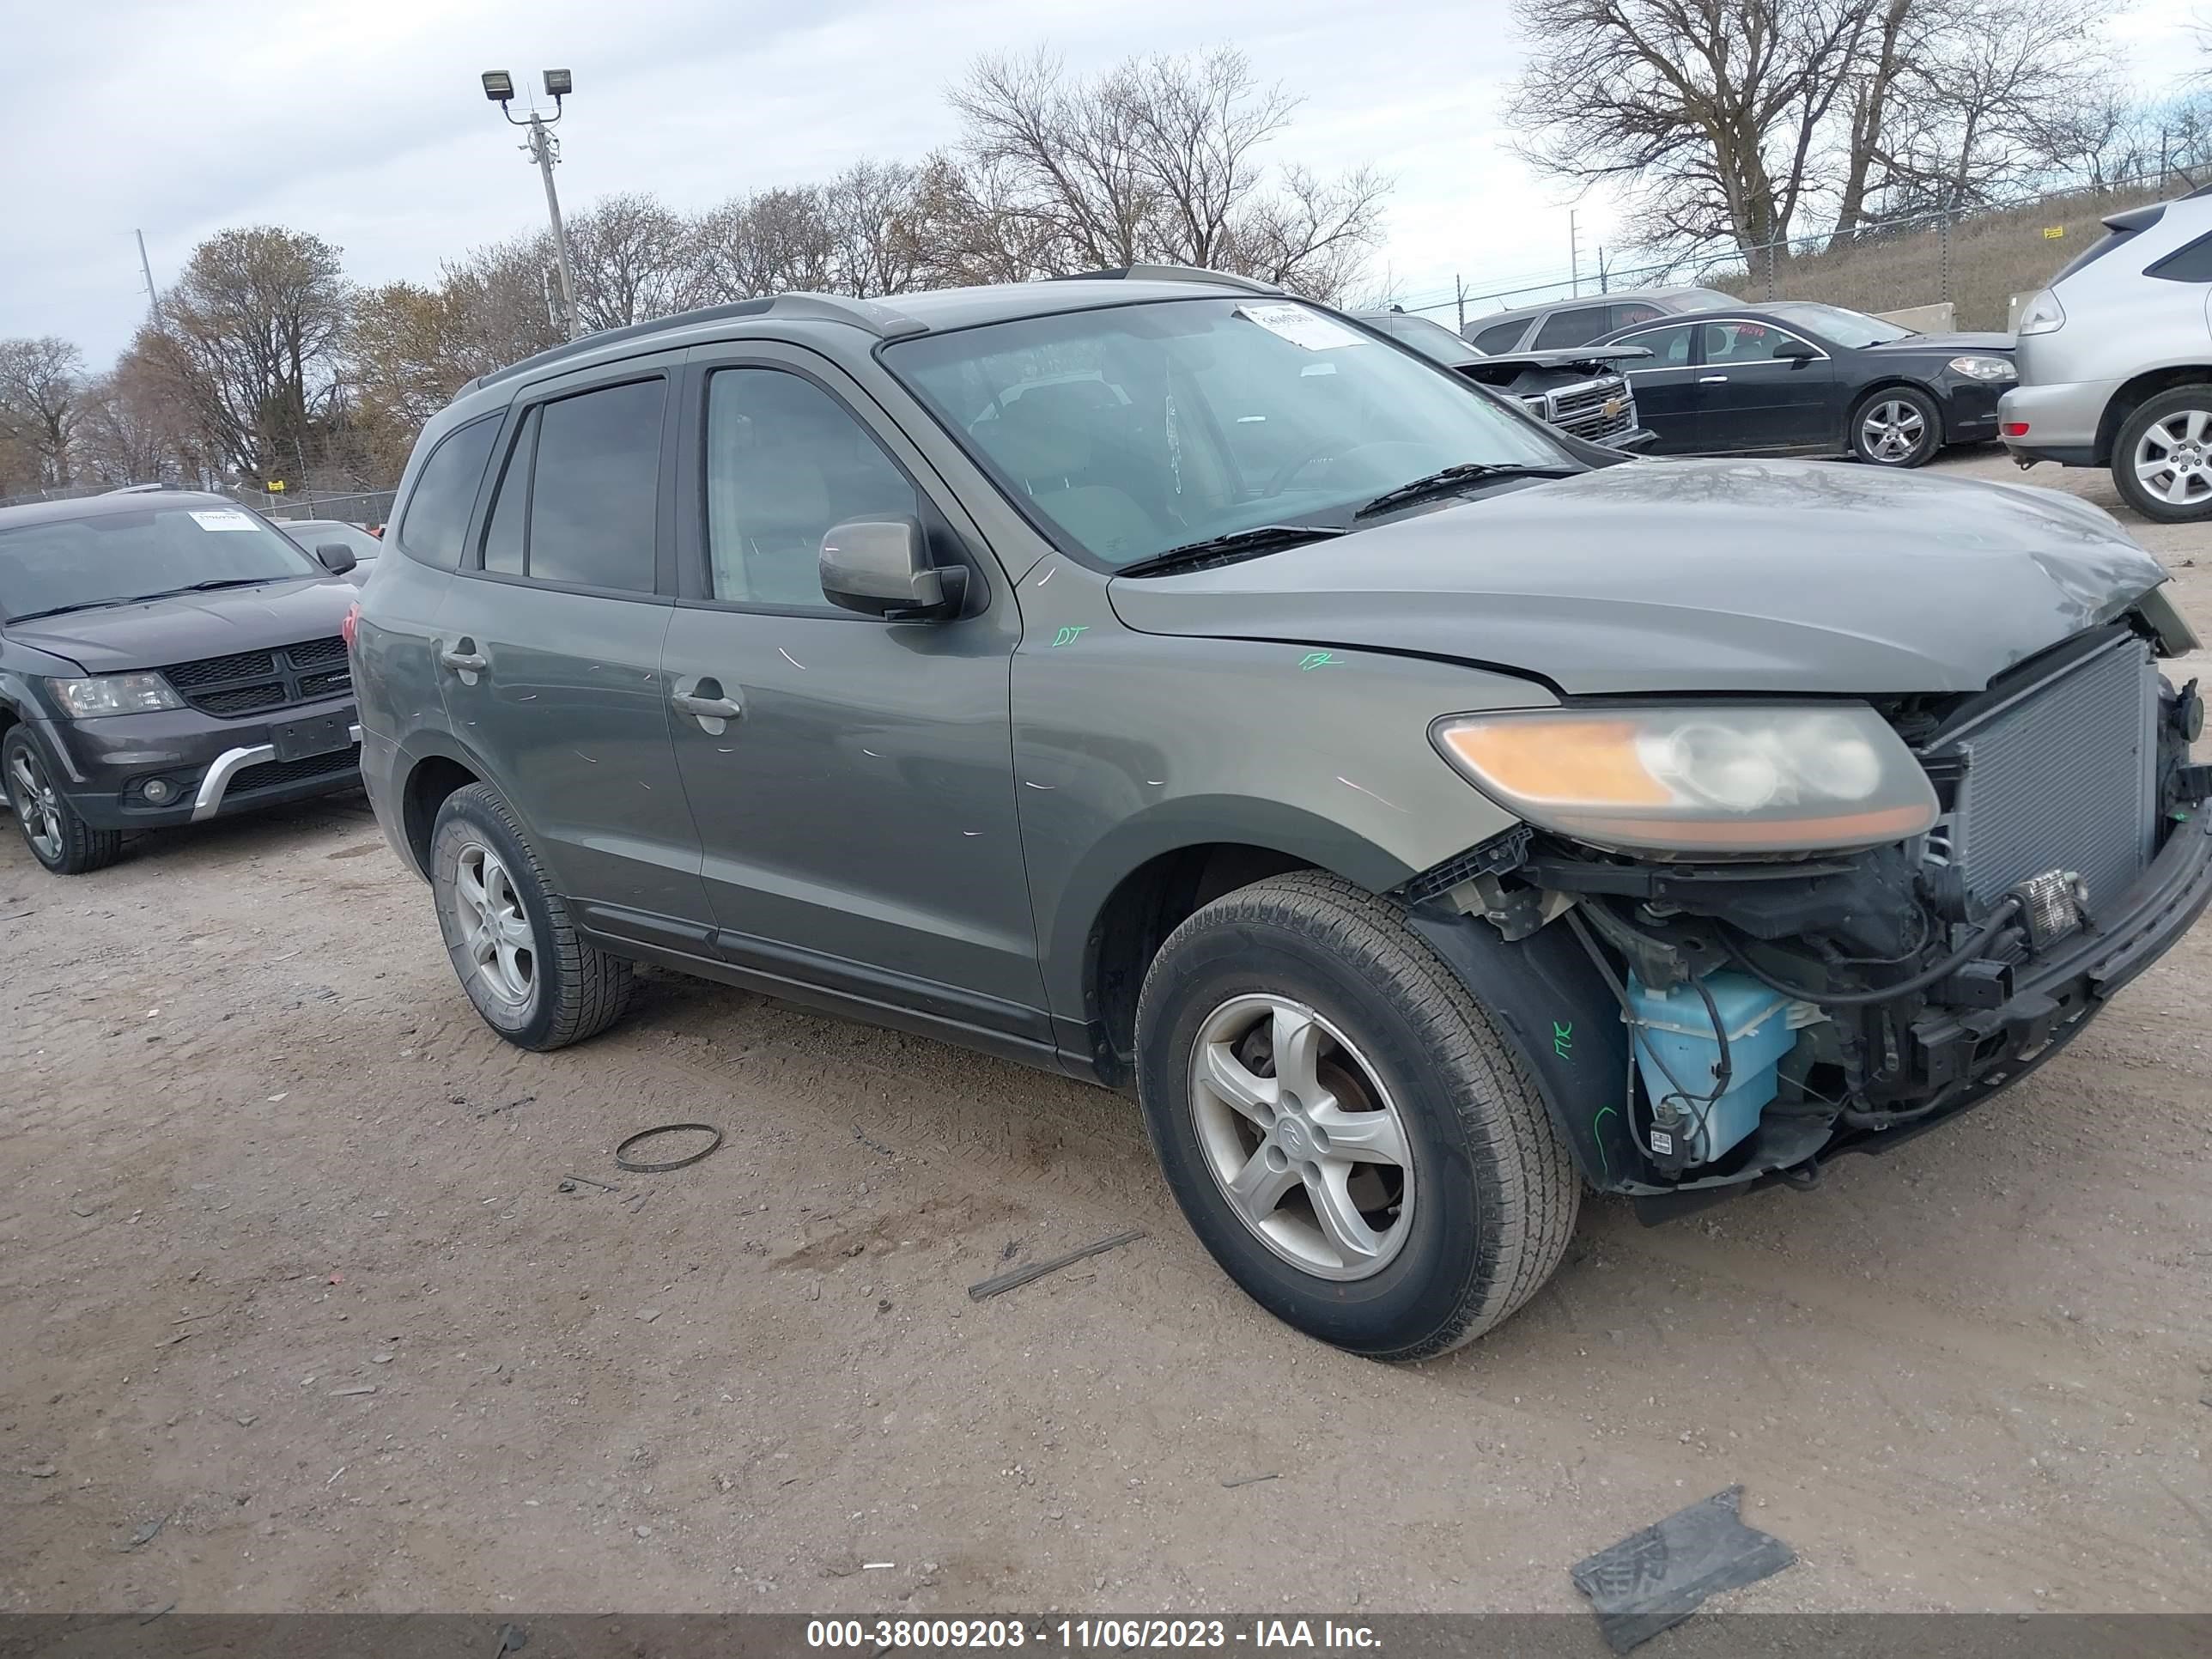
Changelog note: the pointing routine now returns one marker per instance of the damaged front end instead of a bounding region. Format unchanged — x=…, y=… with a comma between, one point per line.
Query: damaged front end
x=1702, y=1020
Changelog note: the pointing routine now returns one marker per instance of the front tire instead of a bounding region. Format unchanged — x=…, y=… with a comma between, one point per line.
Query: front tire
x=509, y=935
x=1897, y=426
x=2162, y=458
x=1345, y=1129
x=57, y=837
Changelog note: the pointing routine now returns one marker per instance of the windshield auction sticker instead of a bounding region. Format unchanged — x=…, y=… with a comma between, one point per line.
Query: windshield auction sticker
x=1302, y=327
x=223, y=517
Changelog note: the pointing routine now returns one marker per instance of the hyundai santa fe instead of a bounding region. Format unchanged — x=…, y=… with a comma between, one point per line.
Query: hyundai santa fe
x=1168, y=683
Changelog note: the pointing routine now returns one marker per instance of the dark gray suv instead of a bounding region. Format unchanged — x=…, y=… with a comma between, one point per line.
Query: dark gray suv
x=1166, y=682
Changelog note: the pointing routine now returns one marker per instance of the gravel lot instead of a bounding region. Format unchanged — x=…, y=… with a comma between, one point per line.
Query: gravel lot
x=285, y=1269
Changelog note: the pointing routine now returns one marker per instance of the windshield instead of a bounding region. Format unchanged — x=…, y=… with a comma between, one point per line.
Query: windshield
x=107, y=557
x=1138, y=429
x=311, y=534
x=1839, y=326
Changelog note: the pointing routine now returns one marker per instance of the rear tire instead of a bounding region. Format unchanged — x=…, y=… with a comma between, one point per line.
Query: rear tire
x=509, y=935
x=1897, y=426
x=2162, y=458
x=1304, y=989
x=57, y=837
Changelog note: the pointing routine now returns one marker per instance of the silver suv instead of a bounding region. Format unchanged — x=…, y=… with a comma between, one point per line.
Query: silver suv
x=2115, y=361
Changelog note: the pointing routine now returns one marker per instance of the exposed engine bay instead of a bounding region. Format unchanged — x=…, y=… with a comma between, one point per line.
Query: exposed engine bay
x=1771, y=1013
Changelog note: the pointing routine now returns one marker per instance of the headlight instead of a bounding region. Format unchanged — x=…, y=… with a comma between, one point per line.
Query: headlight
x=114, y=694
x=1699, y=779
x=2042, y=314
x=1985, y=369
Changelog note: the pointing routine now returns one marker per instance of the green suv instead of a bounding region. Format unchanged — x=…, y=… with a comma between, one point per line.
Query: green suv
x=1165, y=682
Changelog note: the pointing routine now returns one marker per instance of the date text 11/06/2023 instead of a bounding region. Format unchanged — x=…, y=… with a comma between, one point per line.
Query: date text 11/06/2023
x=1086, y=1635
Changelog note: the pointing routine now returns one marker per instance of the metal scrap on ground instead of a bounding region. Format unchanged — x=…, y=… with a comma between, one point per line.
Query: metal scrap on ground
x=1021, y=1276
x=1656, y=1578
x=623, y=1160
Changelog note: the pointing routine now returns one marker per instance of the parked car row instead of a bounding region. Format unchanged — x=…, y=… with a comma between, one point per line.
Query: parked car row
x=1433, y=814
x=1719, y=376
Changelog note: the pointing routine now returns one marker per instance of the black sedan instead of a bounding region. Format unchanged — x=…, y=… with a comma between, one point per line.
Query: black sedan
x=1790, y=377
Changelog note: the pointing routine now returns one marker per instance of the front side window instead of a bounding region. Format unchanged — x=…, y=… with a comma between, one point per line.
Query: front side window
x=579, y=501
x=1135, y=428
x=111, y=558
x=435, y=520
x=1578, y=327
x=785, y=462
x=1742, y=341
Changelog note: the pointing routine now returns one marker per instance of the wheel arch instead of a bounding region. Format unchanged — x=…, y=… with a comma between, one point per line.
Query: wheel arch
x=1137, y=886
x=1891, y=382
x=429, y=770
x=2138, y=390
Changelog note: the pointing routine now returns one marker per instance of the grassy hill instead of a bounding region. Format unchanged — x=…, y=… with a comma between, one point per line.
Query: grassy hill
x=1992, y=257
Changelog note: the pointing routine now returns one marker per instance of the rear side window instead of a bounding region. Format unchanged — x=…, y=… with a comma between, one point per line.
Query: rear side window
x=1501, y=336
x=2191, y=263
x=1573, y=328
x=436, y=521
x=579, y=501
x=1628, y=316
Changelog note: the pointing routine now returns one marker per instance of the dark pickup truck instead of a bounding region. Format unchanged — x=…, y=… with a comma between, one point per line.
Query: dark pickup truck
x=1581, y=390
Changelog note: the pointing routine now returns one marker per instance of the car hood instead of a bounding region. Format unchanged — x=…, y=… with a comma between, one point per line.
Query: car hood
x=2000, y=343
x=1665, y=576
x=188, y=626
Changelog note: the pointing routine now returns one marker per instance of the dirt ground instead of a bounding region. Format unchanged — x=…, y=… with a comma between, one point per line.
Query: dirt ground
x=286, y=1273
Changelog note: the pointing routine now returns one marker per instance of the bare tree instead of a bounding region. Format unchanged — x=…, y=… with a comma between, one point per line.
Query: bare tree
x=248, y=344
x=1156, y=161
x=41, y=400
x=130, y=432
x=872, y=210
x=631, y=257
x=1706, y=113
x=775, y=241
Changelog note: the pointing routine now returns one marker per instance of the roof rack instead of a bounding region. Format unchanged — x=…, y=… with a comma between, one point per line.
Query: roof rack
x=1171, y=274
x=878, y=319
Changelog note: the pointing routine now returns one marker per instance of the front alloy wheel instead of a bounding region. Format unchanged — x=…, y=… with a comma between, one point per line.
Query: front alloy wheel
x=57, y=836
x=1897, y=428
x=1305, y=1143
x=1345, y=1128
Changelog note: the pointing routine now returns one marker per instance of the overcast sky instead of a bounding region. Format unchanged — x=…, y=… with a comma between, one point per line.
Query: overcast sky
x=363, y=123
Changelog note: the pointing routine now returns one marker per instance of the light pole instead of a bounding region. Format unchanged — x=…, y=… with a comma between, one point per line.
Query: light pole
x=544, y=149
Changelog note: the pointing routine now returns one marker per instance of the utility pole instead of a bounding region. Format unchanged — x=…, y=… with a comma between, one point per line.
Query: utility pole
x=541, y=147
x=153, y=297
x=1574, y=257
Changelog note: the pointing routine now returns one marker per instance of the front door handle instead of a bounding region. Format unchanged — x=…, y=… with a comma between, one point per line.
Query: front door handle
x=707, y=708
x=466, y=662
x=1712, y=379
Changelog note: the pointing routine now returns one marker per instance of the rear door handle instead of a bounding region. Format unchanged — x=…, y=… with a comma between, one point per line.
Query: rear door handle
x=467, y=662
x=1712, y=379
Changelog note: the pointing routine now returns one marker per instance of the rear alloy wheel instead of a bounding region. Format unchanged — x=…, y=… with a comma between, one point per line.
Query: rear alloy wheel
x=1897, y=426
x=2162, y=458
x=509, y=935
x=57, y=837
x=1345, y=1129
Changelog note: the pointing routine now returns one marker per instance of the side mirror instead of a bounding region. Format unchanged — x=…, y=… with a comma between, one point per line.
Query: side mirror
x=1796, y=351
x=335, y=557
x=882, y=568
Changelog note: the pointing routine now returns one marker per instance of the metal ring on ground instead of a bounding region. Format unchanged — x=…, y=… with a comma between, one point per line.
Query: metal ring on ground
x=623, y=1163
